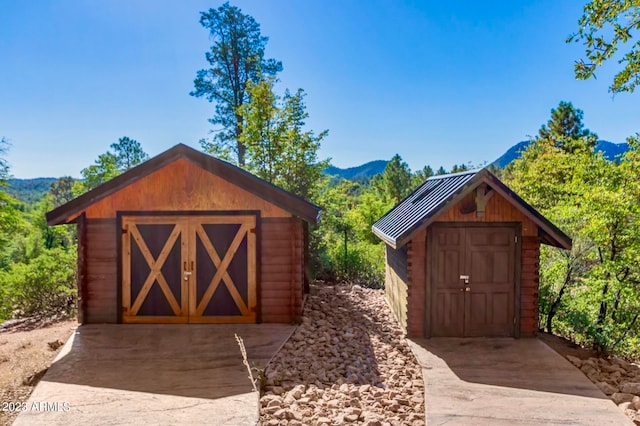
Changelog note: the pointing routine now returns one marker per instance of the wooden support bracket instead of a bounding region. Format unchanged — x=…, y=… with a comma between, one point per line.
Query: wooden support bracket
x=483, y=195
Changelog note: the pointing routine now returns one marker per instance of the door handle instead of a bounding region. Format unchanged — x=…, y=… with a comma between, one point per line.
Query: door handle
x=467, y=289
x=186, y=275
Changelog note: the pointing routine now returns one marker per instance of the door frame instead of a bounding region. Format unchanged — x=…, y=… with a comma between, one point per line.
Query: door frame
x=151, y=213
x=430, y=260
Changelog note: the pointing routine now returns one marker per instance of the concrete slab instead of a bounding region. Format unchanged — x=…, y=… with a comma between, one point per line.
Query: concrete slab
x=507, y=382
x=154, y=375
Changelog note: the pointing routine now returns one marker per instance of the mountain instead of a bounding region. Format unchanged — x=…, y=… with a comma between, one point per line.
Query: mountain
x=359, y=173
x=29, y=190
x=609, y=149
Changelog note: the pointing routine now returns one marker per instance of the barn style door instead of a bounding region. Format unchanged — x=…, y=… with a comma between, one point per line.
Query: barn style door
x=473, y=281
x=198, y=269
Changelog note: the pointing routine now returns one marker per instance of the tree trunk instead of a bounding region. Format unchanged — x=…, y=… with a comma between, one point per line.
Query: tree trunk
x=240, y=145
x=553, y=309
x=616, y=304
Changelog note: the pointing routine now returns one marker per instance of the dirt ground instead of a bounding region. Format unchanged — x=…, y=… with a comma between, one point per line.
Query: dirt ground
x=26, y=351
x=565, y=347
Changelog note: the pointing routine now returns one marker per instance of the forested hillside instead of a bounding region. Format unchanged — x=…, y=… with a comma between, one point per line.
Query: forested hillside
x=610, y=151
x=29, y=190
x=360, y=173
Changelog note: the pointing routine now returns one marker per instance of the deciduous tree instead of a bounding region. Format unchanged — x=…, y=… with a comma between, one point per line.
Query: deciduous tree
x=278, y=148
x=62, y=190
x=604, y=27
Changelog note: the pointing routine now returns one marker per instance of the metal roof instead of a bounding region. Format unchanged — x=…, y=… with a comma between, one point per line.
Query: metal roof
x=438, y=193
x=420, y=204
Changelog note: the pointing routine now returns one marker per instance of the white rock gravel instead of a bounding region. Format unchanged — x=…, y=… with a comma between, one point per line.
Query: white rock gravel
x=347, y=363
x=617, y=378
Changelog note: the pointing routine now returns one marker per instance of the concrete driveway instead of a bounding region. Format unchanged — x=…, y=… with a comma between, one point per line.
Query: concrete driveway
x=508, y=382
x=153, y=375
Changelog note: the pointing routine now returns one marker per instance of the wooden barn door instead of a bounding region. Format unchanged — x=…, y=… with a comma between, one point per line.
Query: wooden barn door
x=153, y=251
x=198, y=268
x=473, y=281
x=223, y=263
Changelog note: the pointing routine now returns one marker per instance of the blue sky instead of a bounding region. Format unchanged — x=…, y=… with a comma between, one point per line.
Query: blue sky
x=437, y=82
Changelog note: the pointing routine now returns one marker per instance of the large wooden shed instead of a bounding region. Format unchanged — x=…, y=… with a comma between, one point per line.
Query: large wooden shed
x=188, y=238
x=462, y=258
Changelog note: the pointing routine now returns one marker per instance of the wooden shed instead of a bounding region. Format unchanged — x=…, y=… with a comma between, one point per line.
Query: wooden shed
x=188, y=238
x=462, y=258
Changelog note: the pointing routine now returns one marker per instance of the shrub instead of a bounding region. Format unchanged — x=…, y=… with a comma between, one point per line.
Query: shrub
x=44, y=286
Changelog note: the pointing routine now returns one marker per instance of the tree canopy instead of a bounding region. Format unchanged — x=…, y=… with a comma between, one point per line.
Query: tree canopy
x=236, y=57
x=604, y=27
x=127, y=153
x=278, y=149
x=565, y=129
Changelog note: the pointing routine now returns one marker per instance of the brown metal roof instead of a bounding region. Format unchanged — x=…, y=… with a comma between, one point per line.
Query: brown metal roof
x=68, y=212
x=438, y=193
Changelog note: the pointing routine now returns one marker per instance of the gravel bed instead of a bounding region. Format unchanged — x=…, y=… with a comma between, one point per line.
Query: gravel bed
x=347, y=363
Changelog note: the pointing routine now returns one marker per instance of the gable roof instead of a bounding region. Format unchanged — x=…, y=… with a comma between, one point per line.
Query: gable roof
x=68, y=212
x=438, y=193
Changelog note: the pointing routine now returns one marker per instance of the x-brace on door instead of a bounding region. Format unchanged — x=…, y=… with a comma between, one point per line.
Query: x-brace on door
x=188, y=268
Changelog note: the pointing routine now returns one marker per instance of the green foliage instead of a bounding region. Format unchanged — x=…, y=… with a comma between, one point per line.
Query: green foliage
x=127, y=153
x=277, y=148
x=62, y=190
x=37, y=263
x=28, y=191
x=605, y=26
x=44, y=286
x=395, y=182
x=236, y=57
x=345, y=247
x=420, y=176
x=592, y=292
x=459, y=168
x=104, y=169
x=11, y=220
x=565, y=130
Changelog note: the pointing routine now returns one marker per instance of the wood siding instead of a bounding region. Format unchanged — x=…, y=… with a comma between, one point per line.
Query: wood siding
x=281, y=270
x=498, y=209
x=529, y=286
x=101, y=254
x=395, y=283
x=181, y=185
x=418, y=281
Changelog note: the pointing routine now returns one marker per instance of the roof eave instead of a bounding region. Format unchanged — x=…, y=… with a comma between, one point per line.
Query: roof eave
x=385, y=238
x=560, y=238
x=293, y=204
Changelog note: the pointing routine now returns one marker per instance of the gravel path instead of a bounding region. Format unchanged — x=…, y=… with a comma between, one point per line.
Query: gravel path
x=348, y=362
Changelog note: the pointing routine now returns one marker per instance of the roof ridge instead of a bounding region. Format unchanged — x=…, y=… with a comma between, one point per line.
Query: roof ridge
x=448, y=175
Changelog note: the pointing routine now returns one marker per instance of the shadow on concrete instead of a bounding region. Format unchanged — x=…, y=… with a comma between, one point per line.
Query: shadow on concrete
x=199, y=361
x=513, y=363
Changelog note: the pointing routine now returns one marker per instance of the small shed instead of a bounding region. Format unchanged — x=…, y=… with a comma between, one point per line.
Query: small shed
x=188, y=238
x=462, y=258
